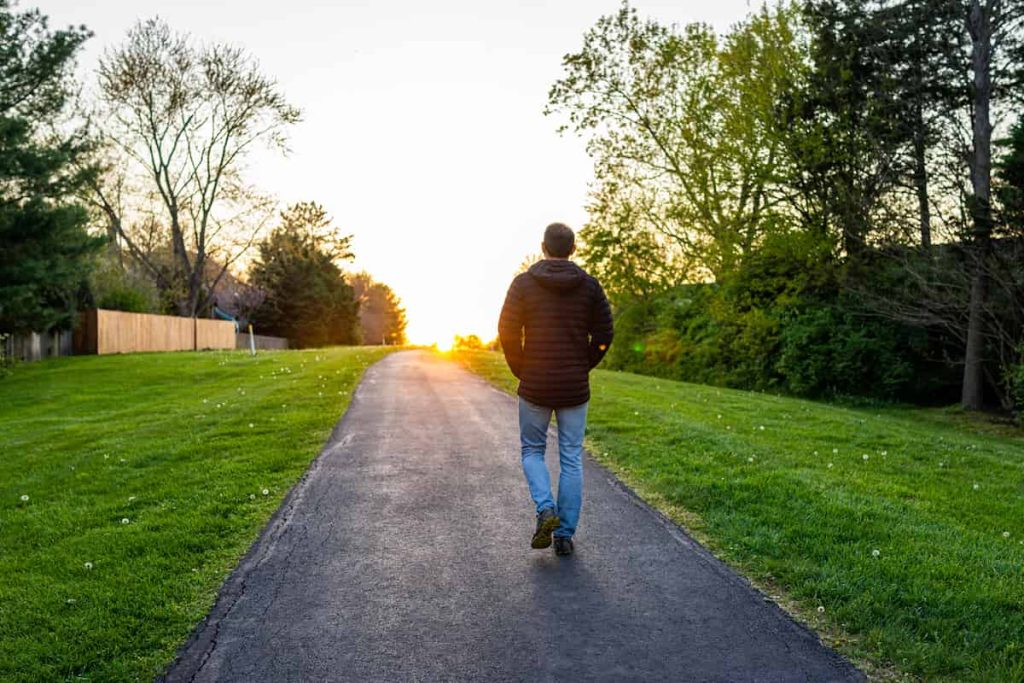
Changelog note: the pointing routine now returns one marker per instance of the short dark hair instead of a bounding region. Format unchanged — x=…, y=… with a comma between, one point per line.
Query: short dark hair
x=559, y=238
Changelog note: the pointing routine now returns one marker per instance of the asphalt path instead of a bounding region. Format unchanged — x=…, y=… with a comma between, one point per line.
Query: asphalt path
x=404, y=555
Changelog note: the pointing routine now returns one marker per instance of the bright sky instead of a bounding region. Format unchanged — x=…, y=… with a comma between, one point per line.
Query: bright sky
x=423, y=131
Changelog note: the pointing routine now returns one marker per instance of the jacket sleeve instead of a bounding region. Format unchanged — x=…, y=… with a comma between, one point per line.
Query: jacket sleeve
x=600, y=326
x=510, y=329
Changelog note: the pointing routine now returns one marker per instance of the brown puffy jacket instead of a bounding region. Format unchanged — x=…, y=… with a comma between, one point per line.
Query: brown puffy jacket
x=555, y=326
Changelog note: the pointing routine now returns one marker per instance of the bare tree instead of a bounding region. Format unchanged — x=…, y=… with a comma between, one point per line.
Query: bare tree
x=183, y=119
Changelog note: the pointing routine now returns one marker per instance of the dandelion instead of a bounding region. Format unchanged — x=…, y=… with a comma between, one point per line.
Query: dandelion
x=88, y=565
x=835, y=451
x=719, y=416
x=821, y=609
x=125, y=520
x=976, y=487
x=876, y=552
x=815, y=452
x=266, y=492
x=1006, y=534
x=320, y=393
x=865, y=456
x=206, y=400
x=252, y=496
x=251, y=425
x=830, y=465
x=122, y=460
x=636, y=412
x=761, y=427
x=106, y=456
x=284, y=405
x=885, y=452
x=70, y=601
x=131, y=498
x=24, y=498
x=750, y=459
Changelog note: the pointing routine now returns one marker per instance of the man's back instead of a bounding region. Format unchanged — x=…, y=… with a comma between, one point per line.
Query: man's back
x=555, y=326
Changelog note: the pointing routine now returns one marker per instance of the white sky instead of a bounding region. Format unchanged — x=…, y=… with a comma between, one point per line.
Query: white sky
x=422, y=131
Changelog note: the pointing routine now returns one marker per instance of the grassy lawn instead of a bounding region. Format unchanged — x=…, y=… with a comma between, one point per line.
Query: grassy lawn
x=147, y=477
x=897, y=533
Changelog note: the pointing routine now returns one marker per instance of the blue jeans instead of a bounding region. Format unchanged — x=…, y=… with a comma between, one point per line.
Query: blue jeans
x=533, y=434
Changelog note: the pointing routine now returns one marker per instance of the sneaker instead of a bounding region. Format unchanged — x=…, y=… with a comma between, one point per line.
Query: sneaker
x=563, y=546
x=547, y=522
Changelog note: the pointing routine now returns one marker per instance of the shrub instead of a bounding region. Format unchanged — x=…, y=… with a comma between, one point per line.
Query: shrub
x=118, y=287
x=827, y=350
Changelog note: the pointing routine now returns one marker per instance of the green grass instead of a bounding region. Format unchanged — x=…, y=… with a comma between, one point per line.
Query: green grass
x=800, y=495
x=182, y=446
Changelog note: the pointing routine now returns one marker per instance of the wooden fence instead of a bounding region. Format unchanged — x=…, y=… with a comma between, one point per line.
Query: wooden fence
x=102, y=332
x=32, y=346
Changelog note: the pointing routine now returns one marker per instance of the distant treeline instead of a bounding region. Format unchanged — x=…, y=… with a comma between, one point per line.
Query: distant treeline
x=827, y=200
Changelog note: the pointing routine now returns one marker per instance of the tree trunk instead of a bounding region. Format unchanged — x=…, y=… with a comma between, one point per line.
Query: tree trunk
x=979, y=27
x=921, y=179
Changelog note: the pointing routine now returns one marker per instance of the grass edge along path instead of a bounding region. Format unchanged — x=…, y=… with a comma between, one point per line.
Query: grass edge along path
x=131, y=486
x=894, y=533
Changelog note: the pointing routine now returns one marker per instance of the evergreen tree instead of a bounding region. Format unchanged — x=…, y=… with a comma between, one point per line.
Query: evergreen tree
x=306, y=297
x=1010, y=185
x=45, y=251
x=843, y=135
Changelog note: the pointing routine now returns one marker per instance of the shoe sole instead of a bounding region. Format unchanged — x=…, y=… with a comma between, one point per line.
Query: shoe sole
x=542, y=539
x=564, y=553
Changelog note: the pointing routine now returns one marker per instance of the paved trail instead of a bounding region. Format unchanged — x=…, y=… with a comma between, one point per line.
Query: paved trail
x=404, y=556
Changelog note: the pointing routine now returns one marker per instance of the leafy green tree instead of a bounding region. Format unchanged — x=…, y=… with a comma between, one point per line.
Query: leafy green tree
x=45, y=250
x=381, y=316
x=685, y=136
x=468, y=343
x=306, y=298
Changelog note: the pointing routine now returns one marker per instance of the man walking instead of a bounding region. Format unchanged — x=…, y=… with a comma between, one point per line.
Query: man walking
x=555, y=326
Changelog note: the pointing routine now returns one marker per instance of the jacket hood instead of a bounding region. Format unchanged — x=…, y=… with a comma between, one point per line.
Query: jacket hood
x=557, y=275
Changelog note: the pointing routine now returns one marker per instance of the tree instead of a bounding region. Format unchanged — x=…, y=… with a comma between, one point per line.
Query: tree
x=684, y=132
x=381, y=316
x=306, y=297
x=183, y=118
x=1010, y=181
x=996, y=31
x=468, y=343
x=45, y=250
x=842, y=136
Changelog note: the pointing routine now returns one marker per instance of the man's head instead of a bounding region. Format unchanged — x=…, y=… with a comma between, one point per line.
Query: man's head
x=559, y=241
